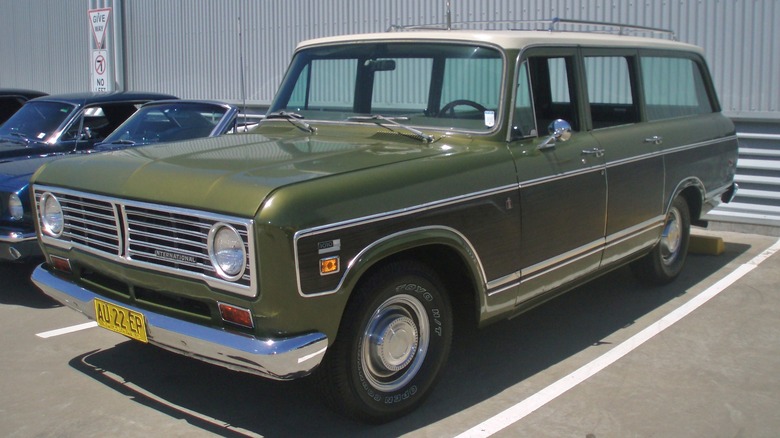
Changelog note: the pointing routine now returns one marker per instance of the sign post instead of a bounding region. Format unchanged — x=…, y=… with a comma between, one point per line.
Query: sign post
x=100, y=65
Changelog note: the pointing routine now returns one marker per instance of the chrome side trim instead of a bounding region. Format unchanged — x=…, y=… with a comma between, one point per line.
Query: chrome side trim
x=378, y=242
x=550, y=265
x=560, y=176
x=400, y=212
x=386, y=216
x=629, y=233
x=274, y=358
x=16, y=237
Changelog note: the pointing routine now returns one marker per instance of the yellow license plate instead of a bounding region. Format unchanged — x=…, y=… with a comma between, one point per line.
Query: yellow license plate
x=123, y=321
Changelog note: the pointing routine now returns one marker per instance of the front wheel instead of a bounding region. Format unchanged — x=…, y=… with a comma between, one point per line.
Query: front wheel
x=393, y=341
x=665, y=262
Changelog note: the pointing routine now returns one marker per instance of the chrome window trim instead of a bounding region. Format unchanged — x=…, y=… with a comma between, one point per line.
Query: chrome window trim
x=123, y=255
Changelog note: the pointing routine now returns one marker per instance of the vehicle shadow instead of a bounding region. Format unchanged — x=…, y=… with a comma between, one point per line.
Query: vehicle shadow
x=18, y=289
x=483, y=363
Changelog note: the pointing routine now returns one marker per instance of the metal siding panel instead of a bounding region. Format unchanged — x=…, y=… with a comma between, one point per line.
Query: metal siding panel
x=192, y=48
x=39, y=50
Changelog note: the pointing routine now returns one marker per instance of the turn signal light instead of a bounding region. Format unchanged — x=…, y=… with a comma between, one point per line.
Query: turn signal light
x=61, y=264
x=329, y=265
x=236, y=315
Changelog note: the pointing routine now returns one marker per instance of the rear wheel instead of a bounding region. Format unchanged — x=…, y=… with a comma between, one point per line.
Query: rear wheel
x=665, y=262
x=394, y=339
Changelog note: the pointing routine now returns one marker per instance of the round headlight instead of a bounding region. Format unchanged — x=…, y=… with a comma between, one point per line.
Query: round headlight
x=226, y=250
x=15, y=207
x=51, y=215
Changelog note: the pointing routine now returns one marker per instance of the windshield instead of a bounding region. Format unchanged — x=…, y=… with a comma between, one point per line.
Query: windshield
x=444, y=86
x=168, y=122
x=36, y=121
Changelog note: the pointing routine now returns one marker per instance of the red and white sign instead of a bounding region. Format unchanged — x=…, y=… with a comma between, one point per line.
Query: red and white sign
x=98, y=19
x=101, y=74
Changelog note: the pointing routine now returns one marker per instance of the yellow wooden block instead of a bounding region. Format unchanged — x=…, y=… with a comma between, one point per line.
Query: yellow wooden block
x=707, y=245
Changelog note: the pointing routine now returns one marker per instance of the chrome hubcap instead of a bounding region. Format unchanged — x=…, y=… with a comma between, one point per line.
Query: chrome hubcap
x=671, y=239
x=395, y=342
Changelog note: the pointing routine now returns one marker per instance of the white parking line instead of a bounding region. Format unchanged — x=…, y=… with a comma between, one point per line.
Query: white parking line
x=519, y=411
x=66, y=330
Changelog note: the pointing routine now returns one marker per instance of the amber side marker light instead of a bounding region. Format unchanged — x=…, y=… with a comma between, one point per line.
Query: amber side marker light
x=236, y=315
x=329, y=265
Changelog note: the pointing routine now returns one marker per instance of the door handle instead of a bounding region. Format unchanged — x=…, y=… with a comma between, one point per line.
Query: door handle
x=654, y=140
x=595, y=151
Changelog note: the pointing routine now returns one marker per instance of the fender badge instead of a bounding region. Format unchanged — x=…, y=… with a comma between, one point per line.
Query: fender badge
x=329, y=246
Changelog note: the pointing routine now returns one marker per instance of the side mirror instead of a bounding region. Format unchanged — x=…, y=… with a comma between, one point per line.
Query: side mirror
x=560, y=130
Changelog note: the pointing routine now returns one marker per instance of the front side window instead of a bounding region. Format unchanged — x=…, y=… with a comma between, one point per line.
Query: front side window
x=673, y=87
x=448, y=86
x=545, y=93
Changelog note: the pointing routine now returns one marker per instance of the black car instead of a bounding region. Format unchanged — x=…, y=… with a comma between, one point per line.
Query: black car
x=67, y=123
x=11, y=99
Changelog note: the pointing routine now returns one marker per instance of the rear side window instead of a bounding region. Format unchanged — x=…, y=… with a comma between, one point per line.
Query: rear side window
x=610, y=92
x=673, y=87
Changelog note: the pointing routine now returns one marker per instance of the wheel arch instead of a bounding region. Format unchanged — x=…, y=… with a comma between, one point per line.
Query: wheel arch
x=693, y=191
x=444, y=250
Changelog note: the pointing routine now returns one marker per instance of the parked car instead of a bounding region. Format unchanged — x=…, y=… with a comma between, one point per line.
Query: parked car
x=401, y=184
x=155, y=121
x=11, y=99
x=67, y=123
x=172, y=120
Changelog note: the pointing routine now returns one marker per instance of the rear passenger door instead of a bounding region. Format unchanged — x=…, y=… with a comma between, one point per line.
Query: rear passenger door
x=634, y=165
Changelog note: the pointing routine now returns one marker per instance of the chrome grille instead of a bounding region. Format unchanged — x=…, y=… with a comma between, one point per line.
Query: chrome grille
x=90, y=223
x=174, y=240
x=153, y=236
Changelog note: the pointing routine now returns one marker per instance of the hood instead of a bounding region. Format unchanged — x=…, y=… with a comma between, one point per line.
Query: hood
x=232, y=174
x=10, y=150
x=15, y=175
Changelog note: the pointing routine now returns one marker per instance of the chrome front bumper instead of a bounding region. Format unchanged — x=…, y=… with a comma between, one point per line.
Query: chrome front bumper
x=18, y=245
x=278, y=359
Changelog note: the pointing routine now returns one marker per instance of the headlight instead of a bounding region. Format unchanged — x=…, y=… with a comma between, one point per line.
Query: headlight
x=15, y=207
x=51, y=215
x=226, y=250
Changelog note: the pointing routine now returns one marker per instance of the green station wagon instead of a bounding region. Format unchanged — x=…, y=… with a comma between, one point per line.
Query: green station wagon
x=402, y=184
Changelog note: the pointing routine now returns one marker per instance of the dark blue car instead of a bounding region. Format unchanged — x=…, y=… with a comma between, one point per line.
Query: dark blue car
x=46, y=128
x=155, y=122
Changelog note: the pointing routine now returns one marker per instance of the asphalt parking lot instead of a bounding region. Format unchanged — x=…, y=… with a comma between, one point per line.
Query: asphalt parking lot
x=697, y=358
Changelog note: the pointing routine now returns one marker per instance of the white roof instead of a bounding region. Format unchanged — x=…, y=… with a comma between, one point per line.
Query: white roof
x=510, y=39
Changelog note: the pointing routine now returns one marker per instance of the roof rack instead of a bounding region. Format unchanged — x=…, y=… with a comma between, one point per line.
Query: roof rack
x=551, y=25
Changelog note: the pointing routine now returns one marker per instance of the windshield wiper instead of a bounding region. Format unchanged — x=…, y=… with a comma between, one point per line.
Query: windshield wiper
x=21, y=138
x=385, y=121
x=294, y=118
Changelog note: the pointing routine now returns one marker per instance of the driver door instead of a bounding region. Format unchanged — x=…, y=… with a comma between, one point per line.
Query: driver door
x=562, y=180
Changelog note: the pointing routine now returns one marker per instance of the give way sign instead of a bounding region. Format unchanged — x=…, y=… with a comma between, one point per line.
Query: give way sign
x=98, y=19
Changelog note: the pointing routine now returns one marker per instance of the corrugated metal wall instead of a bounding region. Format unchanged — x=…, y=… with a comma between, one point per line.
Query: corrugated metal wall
x=43, y=45
x=192, y=48
x=196, y=49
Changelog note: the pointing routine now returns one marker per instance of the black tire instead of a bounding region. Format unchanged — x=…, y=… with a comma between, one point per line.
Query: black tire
x=403, y=305
x=665, y=262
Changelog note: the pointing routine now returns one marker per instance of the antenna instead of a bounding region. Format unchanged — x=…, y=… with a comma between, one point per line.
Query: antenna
x=449, y=15
x=241, y=67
